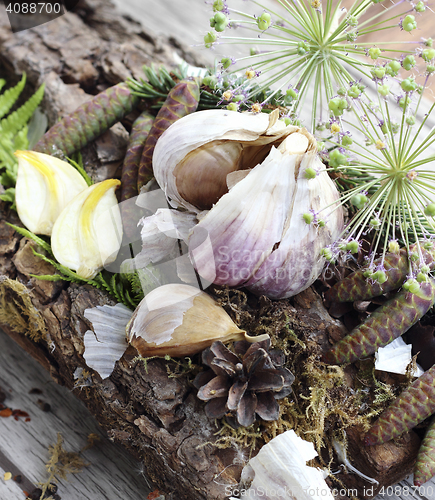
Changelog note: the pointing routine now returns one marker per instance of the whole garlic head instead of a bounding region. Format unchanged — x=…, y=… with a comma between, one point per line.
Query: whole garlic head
x=193, y=157
x=45, y=185
x=256, y=235
x=88, y=233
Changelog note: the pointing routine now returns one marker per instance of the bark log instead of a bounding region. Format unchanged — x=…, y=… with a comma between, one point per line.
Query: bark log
x=158, y=418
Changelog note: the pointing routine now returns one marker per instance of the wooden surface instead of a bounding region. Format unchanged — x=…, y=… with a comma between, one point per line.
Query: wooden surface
x=24, y=445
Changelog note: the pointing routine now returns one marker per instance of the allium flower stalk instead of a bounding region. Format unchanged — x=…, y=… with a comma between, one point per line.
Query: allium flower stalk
x=308, y=50
x=388, y=161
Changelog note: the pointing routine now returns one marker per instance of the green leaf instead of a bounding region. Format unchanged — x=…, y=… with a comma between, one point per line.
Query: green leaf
x=16, y=120
x=79, y=166
x=8, y=99
x=8, y=195
x=37, y=126
x=49, y=277
x=28, y=234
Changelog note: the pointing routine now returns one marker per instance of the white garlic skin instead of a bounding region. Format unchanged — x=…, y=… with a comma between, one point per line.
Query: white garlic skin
x=179, y=320
x=279, y=471
x=45, y=185
x=195, y=154
x=255, y=235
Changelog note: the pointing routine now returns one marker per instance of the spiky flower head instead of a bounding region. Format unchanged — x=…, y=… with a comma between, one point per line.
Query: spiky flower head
x=390, y=174
x=314, y=48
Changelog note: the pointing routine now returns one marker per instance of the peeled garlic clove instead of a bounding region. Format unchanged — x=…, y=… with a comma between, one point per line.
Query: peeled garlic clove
x=45, y=185
x=194, y=156
x=256, y=236
x=88, y=233
x=179, y=320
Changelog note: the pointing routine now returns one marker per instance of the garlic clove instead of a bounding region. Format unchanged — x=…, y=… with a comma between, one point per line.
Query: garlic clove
x=88, y=233
x=296, y=143
x=194, y=156
x=180, y=320
x=45, y=185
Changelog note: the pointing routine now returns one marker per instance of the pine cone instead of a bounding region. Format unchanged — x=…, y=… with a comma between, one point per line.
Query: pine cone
x=243, y=383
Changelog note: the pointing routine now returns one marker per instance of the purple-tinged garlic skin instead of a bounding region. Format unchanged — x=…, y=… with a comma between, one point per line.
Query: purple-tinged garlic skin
x=255, y=236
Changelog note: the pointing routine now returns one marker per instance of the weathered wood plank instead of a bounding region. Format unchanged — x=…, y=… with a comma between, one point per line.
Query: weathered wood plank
x=25, y=444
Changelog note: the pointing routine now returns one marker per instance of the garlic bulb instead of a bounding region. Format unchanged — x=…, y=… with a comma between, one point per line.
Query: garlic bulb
x=256, y=235
x=193, y=157
x=88, y=233
x=180, y=320
x=45, y=185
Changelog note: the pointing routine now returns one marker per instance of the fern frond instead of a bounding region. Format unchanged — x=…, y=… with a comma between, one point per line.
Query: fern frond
x=8, y=99
x=28, y=234
x=16, y=120
x=9, y=196
x=49, y=277
x=79, y=166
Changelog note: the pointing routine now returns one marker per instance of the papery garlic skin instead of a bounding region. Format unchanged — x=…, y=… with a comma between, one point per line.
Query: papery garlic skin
x=279, y=471
x=193, y=156
x=45, y=185
x=255, y=236
x=88, y=233
x=179, y=320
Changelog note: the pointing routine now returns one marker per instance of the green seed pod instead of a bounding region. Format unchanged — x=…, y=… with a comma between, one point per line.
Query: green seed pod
x=359, y=200
x=430, y=210
x=420, y=7
x=374, y=52
x=428, y=54
x=352, y=246
x=88, y=121
x=209, y=39
x=409, y=62
x=409, y=23
x=310, y=173
x=308, y=218
x=384, y=90
x=264, y=21
x=218, y=5
x=226, y=62
x=393, y=68
x=408, y=84
x=182, y=100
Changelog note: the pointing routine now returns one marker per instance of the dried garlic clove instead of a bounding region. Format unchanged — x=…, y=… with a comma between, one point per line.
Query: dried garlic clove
x=180, y=320
x=194, y=156
x=88, y=233
x=45, y=185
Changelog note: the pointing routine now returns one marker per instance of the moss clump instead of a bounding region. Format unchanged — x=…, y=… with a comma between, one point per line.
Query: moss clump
x=17, y=310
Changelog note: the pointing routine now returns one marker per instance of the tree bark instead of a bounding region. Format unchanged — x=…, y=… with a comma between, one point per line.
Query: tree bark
x=157, y=417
